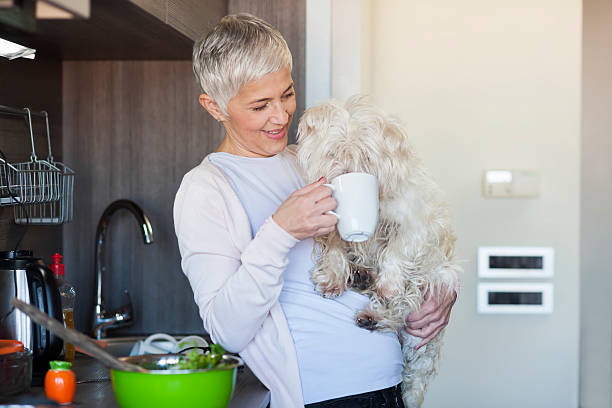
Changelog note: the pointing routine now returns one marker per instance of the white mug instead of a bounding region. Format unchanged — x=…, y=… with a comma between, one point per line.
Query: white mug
x=357, y=210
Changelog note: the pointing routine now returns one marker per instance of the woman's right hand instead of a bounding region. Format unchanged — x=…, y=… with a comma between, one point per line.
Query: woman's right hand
x=304, y=213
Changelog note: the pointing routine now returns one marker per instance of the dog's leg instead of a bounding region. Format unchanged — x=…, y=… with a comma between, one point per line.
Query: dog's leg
x=388, y=284
x=420, y=366
x=396, y=267
x=332, y=269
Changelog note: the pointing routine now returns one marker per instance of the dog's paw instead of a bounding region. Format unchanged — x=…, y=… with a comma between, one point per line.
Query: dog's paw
x=366, y=321
x=329, y=289
x=361, y=278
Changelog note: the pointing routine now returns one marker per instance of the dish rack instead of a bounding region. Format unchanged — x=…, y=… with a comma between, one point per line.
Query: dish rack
x=40, y=191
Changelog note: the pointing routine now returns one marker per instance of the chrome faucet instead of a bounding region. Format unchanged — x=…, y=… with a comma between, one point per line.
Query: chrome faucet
x=124, y=316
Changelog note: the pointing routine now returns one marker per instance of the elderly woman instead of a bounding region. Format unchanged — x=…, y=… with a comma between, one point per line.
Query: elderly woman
x=245, y=220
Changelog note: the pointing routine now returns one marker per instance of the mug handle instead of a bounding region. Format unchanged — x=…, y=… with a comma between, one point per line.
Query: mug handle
x=333, y=189
x=333, y=213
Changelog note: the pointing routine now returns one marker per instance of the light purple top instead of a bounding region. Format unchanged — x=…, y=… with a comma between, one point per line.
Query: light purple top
x=335, y=357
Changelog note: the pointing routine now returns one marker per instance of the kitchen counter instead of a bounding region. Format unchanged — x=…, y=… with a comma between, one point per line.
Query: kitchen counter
x=94, y=388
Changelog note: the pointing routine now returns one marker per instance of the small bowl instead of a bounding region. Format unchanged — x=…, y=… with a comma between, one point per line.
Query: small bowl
x=15, y=372
x=10, y=346
x=162, y=387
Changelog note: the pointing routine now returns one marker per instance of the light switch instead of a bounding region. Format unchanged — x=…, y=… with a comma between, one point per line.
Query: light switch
x=511, y=183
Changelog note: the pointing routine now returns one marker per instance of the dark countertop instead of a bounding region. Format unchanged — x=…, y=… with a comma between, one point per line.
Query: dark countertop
x=94, y=388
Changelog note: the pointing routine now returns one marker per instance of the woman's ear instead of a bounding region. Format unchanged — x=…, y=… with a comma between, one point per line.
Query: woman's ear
x=211, y=106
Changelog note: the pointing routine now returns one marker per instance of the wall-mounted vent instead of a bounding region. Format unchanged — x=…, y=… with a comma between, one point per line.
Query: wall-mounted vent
x=515, y=298
x=516, y=262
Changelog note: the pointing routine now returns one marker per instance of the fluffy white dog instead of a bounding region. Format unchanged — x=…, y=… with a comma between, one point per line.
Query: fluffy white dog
x=411, y=251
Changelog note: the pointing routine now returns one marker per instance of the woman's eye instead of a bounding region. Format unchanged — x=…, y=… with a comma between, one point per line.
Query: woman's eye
x=260, y=108
x=289, y=95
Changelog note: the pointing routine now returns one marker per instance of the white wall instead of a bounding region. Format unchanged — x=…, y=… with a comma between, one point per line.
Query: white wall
x=346, y=59
x=491, y=85
x=482, y=85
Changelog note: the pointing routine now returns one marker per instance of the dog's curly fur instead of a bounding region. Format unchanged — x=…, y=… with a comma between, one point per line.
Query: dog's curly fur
x=411, y=251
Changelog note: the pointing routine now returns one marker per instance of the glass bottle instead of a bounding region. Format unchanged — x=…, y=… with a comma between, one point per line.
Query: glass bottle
x=67, y=295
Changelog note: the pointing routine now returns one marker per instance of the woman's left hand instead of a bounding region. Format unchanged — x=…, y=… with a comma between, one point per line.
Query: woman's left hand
x=432, y=317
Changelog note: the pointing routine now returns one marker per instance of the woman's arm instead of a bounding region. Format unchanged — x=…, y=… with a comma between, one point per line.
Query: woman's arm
x=235, y=290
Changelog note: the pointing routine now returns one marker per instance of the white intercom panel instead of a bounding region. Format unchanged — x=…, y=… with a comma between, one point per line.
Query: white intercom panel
x=515, y=298
x=511, y=183
x=516, y=262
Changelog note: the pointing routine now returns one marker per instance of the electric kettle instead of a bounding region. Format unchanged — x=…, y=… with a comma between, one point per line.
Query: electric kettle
x=27, y=278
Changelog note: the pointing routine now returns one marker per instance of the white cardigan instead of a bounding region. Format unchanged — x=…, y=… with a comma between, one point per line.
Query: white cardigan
x=236, y=279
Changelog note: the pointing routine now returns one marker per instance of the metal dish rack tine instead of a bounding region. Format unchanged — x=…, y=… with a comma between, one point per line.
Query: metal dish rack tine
x=65, y=184
x=58, y=177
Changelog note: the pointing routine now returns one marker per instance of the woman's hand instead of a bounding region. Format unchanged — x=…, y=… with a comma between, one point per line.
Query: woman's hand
x=432, y=317
x=304, y=213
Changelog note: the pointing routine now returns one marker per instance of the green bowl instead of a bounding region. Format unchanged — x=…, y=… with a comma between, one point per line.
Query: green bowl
x=159, y=387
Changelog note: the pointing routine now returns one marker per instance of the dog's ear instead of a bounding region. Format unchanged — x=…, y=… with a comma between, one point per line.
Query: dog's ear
x=316, y=120
x=315, y=130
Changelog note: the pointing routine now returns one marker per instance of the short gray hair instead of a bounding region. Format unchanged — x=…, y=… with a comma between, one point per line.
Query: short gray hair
x=241, y=48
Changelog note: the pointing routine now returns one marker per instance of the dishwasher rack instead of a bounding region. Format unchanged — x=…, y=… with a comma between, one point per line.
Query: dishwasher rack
x=40, y=191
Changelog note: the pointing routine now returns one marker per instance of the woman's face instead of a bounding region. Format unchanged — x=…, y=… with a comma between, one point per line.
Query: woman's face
x=260, y=115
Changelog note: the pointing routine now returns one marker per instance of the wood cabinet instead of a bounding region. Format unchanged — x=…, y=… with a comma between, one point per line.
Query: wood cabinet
x=116, y=29
x=192, y=18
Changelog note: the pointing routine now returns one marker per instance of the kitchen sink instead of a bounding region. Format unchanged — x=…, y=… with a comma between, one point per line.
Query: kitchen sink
x=120, y=346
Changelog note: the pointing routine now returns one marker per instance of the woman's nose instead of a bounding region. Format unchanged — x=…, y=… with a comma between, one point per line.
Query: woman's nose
x=280, y=116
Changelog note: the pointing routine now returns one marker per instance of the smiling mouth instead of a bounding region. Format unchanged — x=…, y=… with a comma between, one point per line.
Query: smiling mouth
x=275, y=134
